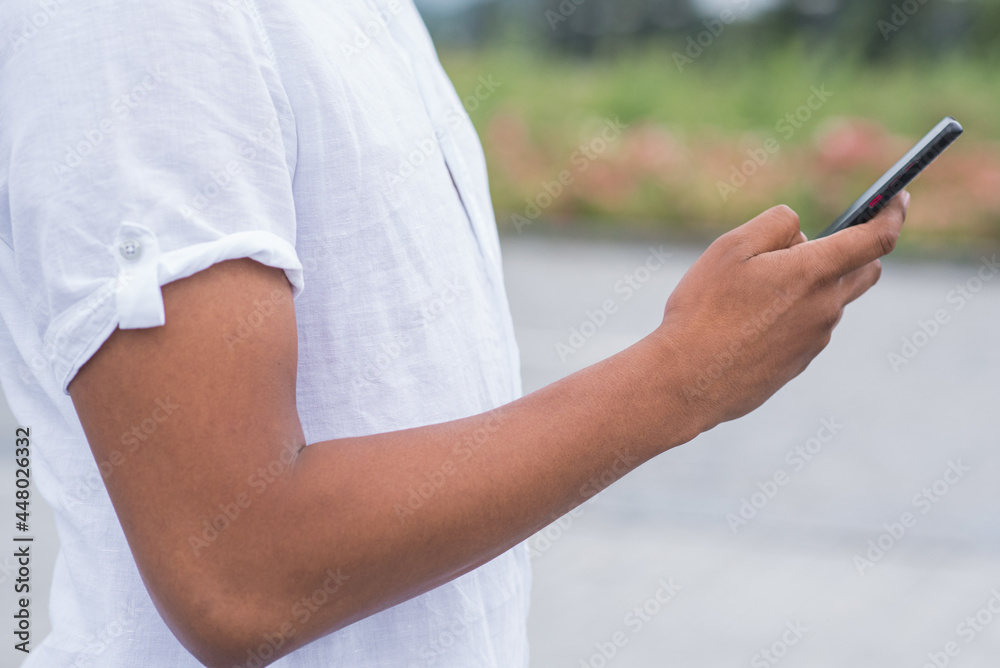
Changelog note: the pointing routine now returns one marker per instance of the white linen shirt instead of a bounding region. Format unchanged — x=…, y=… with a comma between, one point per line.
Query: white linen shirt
x=141, y=142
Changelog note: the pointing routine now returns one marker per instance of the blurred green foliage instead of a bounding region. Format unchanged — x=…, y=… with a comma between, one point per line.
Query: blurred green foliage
x=699, y=96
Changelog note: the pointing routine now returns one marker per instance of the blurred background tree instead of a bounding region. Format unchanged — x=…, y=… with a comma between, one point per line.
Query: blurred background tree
x=932, y=27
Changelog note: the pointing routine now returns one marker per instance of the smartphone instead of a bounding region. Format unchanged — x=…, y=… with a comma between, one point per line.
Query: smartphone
x=899, y=175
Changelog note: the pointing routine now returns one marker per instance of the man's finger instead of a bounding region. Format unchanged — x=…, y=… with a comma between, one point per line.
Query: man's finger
x=860, y=280
x=800, y=239
x=850, y=249
x=775, y=229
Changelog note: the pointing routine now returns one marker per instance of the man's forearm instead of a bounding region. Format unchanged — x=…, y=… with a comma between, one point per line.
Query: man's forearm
x=393, y=515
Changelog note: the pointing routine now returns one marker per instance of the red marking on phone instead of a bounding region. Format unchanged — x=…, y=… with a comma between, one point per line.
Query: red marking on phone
x=878, y=198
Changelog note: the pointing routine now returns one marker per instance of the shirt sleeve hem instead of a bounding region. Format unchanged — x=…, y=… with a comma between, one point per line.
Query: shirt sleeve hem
x=134, y=299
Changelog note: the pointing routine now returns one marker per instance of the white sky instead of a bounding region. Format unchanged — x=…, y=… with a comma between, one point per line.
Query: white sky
x=752, y=6
x=709, y=6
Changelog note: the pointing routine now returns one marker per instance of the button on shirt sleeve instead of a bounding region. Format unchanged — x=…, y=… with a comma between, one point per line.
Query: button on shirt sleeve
x=140, y=143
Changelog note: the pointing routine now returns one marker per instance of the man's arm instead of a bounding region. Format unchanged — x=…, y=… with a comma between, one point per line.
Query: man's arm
x=754, y=309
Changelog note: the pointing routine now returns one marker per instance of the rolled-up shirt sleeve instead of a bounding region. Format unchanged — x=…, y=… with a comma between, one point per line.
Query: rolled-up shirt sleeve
x=138, y=151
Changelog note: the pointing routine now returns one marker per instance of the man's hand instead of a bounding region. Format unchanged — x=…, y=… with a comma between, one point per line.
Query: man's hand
x=761, y=303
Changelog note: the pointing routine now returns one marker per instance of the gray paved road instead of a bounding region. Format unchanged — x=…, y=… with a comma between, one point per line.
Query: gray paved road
x=652, y=573
x=789, y=574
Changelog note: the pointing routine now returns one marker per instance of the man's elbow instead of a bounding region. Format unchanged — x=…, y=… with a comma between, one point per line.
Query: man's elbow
x=232, y=630
x=250, y=623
